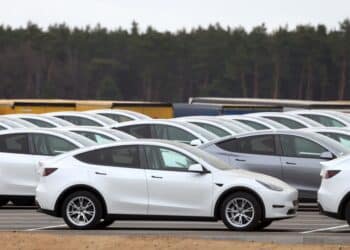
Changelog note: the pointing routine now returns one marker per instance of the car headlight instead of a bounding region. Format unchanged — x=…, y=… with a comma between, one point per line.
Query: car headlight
x=270, y=186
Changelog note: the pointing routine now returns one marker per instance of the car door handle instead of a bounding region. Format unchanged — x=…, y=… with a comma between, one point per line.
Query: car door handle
x=99, y=173
x=242, y=160
x=290, y=163
x=157, y=177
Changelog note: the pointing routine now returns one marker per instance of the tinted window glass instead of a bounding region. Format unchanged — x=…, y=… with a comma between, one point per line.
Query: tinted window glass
x=116, y=117
x=325, y=120
x=123, y=156
x=50, y=145
x=255, y=125
x=167, y=159
x=39, y=123
x=139, y=131
x=228, y=145
x=294, y=146
x=262, y=144
x=341, y=138
x=214, y=129
x=172, y=133
x=98, y=138
x=286, y=122
x=80, y=121
x=2, y=128
x=14, y=143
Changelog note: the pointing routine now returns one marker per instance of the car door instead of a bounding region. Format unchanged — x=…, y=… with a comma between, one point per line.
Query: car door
x=16, y=167
x=173, y=190
x=301, y=164
x=259, y=153
x=117, y=174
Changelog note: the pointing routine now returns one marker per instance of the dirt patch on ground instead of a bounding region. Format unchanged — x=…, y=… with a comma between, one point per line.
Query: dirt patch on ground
x=35, y=241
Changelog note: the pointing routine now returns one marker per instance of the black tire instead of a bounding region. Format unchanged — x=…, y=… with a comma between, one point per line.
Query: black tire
x=263, y=224
x=347, y=212
x=255, y=216
x=93, y=221
x=23, y=202
x=3, y=202
x=105, y=223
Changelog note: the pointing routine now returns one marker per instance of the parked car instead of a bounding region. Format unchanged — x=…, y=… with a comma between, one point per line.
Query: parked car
x=293, y=156
x=218, y=126
x=41, y=121
x=20, y=152
x=167, y=130
x=153, y=179
x=257, y=123
x=325, y=117
x=289, y=120
x=334, y=193
x=100, y=135
x=341, y=135
x=119, y=115
x=83, y=119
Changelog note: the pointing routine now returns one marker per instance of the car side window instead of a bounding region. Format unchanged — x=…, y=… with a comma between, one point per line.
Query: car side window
x=121, y=156
x=80, y=121
x=2, y=128
x=39, y=123
x=325, y=120
x=44, y=144
x=295, y=146
x=139, y=131
x=14, y=143
x=172, y=133
x=215, y=130
x=98, y=138
x=116, y=117
x=286, y=122
x=254, y=125
x=229, y=145
x=260, y=144
x=161, y=158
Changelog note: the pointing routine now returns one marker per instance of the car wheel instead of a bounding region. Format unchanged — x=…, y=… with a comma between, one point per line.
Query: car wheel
x=241, y=211
x=105, y=223
x=347, y=212
x=82, y=210
x=3, y=202
x=23, y=202
x=263, y=224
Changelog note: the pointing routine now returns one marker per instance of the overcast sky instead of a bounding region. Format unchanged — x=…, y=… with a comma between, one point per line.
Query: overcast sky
x=174, y=14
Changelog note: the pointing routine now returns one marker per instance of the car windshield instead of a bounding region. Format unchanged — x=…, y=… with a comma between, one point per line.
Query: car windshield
x=102, y=118
x=206, y=134
x=11, y=124
x=58, y=121
x=212, y=160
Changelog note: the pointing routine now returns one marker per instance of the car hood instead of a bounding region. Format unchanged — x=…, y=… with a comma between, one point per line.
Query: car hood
x=240, y=173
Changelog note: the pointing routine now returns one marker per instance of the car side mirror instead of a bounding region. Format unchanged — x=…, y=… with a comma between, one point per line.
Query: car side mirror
x=326, y=155
x=196, y=142
x=197, y=168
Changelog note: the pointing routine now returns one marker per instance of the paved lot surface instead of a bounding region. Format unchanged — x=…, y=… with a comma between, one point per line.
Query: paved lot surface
x=307, y=227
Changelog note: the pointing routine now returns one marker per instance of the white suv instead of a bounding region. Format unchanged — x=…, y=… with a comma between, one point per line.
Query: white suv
x=147, y=179
x=334, y=193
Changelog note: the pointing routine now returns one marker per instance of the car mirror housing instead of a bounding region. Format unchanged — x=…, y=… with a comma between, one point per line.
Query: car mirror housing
x=326, y=155
x=196, y=142
x=197, y=168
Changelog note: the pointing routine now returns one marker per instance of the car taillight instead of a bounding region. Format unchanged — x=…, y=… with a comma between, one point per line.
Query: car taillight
x=330, y=173
x=48, y=171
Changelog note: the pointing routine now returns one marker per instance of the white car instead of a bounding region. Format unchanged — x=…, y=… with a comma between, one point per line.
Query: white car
x=83, y=119
x=20, y=152
x=119, y=115
x=334, y=193
x=255, y=122
x=41, y=120
x=289, y=120
x=218, y=126
x=325, y=117
x=8, y=124
x=100, y=135
x=150, y=179
x=167, y=130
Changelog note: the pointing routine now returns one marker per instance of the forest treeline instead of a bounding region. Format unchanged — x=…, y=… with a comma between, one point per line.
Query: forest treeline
x=308, y=62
